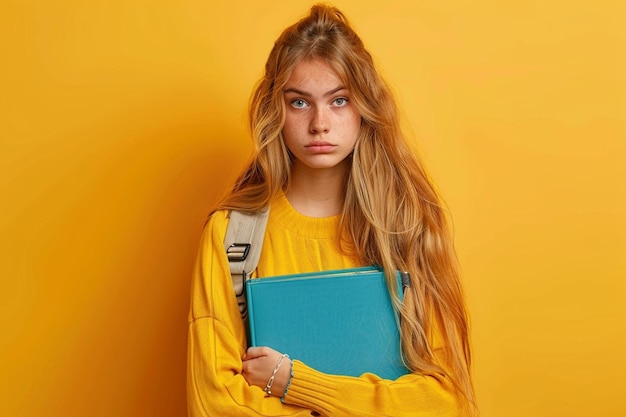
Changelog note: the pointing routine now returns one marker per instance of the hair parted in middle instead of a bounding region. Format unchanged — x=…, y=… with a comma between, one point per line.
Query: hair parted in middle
x=392, y=215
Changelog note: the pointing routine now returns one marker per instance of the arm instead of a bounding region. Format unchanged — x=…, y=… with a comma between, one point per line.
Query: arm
x=331, y=395
x=410, y=395
x=217, y=342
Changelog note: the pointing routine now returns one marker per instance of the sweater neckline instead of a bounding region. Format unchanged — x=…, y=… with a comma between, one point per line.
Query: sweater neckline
x=288, y=217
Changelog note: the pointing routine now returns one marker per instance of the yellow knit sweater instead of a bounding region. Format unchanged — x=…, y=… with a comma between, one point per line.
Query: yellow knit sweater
x=217, y=337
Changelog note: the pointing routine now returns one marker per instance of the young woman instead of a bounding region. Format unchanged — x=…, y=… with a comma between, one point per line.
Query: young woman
x=345, y=190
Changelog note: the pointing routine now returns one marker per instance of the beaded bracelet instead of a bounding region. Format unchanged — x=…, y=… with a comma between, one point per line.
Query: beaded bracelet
x=282, y=399
x=268, y=387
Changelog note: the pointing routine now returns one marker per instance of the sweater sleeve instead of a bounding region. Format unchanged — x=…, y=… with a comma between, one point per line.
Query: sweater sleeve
x=368, y=395
x=217, y=341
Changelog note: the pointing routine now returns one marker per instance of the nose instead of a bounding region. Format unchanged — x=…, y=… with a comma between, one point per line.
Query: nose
x=319, y=121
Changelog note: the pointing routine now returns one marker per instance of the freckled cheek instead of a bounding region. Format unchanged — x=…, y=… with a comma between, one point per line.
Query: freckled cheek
x=353, y=124
x=293, y=125
x=292, y=132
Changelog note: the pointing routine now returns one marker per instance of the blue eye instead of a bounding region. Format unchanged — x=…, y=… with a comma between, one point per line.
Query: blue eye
x=299, y=103
x=340, y=101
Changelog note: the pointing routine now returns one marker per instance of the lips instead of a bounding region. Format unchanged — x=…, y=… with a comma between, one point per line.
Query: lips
x=320, y=146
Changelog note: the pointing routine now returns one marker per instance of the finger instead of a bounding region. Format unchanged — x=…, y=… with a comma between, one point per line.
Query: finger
x=255, y=352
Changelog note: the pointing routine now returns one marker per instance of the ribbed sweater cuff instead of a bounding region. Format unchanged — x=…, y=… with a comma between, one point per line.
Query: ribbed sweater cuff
x=311, y=389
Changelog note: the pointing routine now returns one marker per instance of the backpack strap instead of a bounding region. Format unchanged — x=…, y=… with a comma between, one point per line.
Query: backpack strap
x=243, y=243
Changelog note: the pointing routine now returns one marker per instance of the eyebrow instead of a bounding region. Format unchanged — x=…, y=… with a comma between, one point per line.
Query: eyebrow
x=306, y=94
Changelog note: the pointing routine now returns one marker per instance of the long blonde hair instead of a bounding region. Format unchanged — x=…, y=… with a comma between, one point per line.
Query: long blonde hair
x=392, y=215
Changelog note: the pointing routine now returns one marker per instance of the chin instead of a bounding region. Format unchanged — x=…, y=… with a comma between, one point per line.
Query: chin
x=325, y=165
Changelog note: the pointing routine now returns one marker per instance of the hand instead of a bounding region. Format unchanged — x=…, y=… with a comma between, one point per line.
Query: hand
x=258, y=366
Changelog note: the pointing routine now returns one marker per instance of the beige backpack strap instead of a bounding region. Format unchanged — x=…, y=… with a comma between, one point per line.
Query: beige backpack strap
x=243, y=243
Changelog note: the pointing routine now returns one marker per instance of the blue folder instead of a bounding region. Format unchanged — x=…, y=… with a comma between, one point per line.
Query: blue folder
x=339, y=322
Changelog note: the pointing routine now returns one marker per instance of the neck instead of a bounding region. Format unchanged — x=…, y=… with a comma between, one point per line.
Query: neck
x=317, y=192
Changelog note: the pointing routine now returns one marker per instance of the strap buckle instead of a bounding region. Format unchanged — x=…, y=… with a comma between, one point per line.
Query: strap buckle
x=406, y=280
x=238, y=252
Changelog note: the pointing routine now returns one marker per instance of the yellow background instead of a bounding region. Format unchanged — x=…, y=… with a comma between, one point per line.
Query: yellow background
x=123, y=121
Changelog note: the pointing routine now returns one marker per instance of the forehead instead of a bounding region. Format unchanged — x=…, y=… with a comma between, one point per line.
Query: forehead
x=313, y=73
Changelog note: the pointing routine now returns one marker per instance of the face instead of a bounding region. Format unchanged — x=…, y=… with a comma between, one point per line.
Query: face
x=321, y=124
